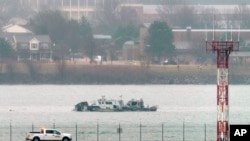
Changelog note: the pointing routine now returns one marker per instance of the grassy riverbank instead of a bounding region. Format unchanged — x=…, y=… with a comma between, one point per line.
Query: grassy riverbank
x=116, y=73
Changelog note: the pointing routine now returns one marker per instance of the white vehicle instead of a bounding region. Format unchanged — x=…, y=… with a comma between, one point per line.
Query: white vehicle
x=98, y=58
x=48, y=135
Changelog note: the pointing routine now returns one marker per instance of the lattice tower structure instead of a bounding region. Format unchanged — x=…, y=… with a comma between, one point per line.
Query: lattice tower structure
x=223, y=50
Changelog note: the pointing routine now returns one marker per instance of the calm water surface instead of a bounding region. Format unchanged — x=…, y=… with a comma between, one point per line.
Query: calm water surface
x=194, y=104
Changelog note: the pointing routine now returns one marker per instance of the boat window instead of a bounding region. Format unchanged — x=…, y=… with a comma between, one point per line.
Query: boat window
x=109, y=103
x=134, y=103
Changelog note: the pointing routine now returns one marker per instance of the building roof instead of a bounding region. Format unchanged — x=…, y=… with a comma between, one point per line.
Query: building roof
x=129, y=43
x=220, y=2
x=218, y=9
x=28, y=38
x=151, y=9
x=15, y=29
x=211, y=30
x=100, y=36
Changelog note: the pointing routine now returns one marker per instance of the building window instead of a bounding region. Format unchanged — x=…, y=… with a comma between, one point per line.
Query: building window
x=34, y=46
x=44, y=46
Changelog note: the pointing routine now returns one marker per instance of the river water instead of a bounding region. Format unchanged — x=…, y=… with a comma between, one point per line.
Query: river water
x=192, y=106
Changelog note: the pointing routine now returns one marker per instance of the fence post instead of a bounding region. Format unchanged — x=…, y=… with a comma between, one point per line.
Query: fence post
x=183, y=130
x=162, y=137
x=140, y=130
x=97, y=133
x=10, y=131
x=205, y=132
x=76, y=131
x=119, y=130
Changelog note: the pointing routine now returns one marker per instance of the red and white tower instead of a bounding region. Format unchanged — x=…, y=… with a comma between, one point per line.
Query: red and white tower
x=223, y=49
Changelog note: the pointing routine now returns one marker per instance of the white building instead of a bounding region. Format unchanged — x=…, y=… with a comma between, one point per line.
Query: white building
x=15, y=29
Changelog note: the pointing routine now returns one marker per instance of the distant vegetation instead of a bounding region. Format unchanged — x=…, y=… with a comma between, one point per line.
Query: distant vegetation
x=70, y=73
x=69, y=37
x=159, y=41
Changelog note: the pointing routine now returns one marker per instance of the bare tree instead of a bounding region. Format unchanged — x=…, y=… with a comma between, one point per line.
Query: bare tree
x=242, y=15
x=208, y=17
x=107, y=13
x=5, y=51
x=112, y=13
x=13, y=8
x=179, y=15
x=129, y=14
x=90, y=46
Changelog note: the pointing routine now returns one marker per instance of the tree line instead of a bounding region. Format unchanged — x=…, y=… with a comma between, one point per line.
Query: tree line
x=70, y=36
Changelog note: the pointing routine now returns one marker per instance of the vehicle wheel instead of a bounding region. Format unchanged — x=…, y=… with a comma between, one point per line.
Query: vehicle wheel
x=65, y=139
x=36, y=139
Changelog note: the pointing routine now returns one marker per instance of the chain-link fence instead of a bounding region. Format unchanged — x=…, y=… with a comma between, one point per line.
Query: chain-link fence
x=115, y=131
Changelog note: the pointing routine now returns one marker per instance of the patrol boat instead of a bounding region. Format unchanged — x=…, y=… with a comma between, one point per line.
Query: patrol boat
x=111, y=105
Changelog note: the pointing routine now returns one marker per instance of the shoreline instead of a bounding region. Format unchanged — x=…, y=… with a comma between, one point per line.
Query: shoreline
x=108, y=74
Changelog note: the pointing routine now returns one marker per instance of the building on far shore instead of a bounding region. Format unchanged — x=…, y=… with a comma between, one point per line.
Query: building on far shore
x=190, y=42
x=27, y=45
x=32, y=47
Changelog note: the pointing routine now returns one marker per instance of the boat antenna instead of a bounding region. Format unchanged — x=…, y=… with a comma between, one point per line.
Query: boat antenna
x=239, y=34
x=226, y=32
x=213, y=26
x=231, y=33
x=206, y=31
